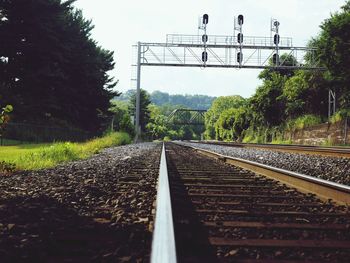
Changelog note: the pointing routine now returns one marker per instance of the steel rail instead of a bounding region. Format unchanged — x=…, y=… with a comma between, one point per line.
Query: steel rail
x=338, y=151
x=325, y=190
x=163, y=243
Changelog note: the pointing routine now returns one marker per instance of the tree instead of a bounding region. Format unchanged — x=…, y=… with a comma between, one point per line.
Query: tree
x=144, y=108
x=267, y=103
x=218, y=106
x=121, y=117
x=285, y=60
x=4, y=119
x=51, y=70
x=223, y=126
x=333, y=51
x=294, y=93
x=305, y=92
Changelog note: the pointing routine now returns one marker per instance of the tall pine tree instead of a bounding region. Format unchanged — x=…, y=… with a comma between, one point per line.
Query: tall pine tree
x=51, y=70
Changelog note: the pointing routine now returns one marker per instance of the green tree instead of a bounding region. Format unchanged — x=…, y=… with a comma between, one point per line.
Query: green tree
x=121, y=118
x=306, y=92
x=144, y=108
x=285, y=60
x=224, y=125
x=333, y=51
x=4, y=119
x=218, y=106
x=267, y=104
x=243, y=119
x=51, y=70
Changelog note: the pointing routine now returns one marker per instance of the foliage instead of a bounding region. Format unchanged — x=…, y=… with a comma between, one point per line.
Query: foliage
x=159, y=128
x=219, y=106
x=285, y=60
x=32, y=157
x=198, y=102
x=121, y=119
x=333, y=51
x=144, y=110
x=223, y=126
x=4, y=119
x=267, y=103
x=291, y=99
x=304, y=121
x=50, y=67
x=294, y=93
x=340, y=115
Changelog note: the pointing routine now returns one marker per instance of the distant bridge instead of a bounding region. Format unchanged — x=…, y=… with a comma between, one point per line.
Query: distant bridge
x=187, y=117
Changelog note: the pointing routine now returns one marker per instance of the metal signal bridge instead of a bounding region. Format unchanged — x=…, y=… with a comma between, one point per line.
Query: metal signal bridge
x=187, y=117
x=218, y=51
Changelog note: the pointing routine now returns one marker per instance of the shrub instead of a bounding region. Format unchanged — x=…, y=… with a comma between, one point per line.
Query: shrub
x=307, y=121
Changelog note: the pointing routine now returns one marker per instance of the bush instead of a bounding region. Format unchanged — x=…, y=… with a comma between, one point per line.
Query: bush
x=307, y=121
x=340, y=115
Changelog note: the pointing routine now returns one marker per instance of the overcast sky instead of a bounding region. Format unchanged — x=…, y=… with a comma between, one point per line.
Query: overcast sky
x=120, y=24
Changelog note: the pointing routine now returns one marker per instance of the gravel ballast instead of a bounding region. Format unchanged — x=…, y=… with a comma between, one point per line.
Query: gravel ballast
x=95, y=210
x=328, y=168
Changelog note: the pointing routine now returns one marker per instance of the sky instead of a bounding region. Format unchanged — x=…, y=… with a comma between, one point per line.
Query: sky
x=119, y=24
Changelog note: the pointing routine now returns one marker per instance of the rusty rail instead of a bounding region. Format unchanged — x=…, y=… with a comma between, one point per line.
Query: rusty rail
x=307, y=184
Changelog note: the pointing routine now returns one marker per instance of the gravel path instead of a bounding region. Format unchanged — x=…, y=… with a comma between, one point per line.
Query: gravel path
x=95, y=210
x=327, y=168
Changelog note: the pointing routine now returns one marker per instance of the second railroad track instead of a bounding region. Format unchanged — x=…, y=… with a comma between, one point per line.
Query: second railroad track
x=223, y=213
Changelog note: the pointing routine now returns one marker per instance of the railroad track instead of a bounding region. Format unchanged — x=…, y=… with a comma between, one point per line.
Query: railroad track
x=223, y=213
x=307, y=149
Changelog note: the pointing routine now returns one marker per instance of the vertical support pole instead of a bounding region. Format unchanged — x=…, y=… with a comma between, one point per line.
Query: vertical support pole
x=277, y=45
x=333, y=93
x=240, y=45
x=329, y=105
x=138, y=91
x=346, y=130
x=112, y=124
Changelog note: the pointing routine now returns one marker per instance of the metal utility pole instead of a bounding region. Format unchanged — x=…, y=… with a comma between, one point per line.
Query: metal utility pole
x=138, y=91
x=331, y=103
x=239, y=27
x=276, y=40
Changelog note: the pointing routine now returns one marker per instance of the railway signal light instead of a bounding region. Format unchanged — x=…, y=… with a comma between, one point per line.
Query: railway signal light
x=205, y=38
x=275, y=59
x=205, y=19
x=240, y=20
x=239, y=57
x=204, y=56
x=240, y=38
x=276, y=39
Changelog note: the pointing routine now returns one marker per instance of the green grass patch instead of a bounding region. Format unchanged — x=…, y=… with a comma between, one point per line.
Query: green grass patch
x=340, y=115
x=39, y=156
x=307, y=121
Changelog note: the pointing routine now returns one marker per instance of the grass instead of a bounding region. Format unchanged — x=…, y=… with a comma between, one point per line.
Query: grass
x=305, y=121
x=39, y=156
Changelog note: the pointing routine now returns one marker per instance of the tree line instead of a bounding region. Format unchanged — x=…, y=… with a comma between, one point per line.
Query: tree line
x=289, y=99
x=51, y=70
x=154, y=120
x=159, y=98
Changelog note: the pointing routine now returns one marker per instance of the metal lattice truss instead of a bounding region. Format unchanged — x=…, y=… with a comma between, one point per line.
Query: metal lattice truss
x=187, y=117
x=186, y=51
